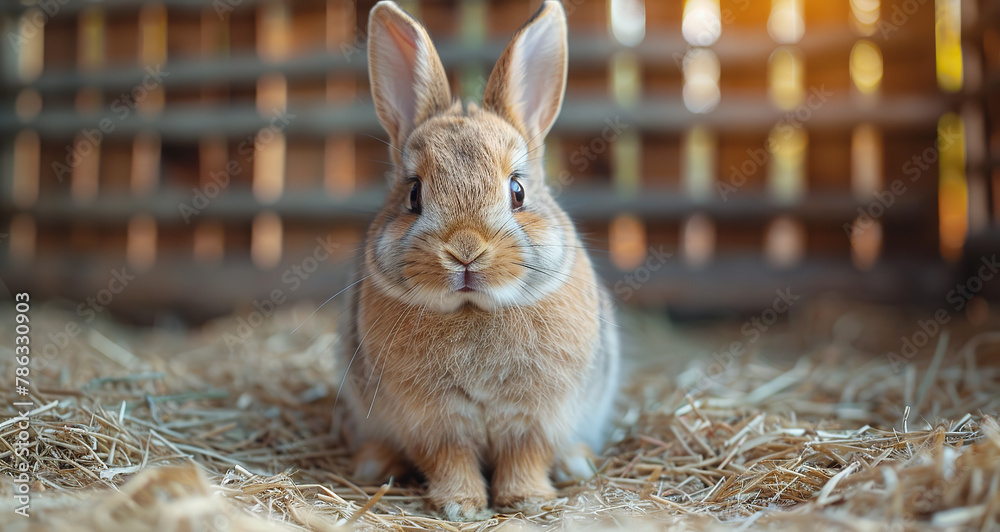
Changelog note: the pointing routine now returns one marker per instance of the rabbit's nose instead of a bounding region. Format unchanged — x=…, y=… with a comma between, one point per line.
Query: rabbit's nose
x=465, y=246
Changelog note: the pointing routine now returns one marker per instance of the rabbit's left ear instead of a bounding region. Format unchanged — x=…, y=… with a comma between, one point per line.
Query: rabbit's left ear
x=528, y=82
x=407, y=79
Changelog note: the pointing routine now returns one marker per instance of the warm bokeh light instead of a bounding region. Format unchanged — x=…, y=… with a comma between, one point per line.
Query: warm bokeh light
x=91, y=37
x=865, y=15
x=698, y=240
x=145, y=163
x=209, y=242
x=786, y=24
x=948, y=43
x=785, y=242
x=27, y=154
x=628, y=21
x=269, y=165
x=701, y=80
x=953, y=192
x=626, y=161
x=269, y=145
x=339, y=166
x=702, y=23
x=866, y=161
x=866, y=66
x=787, y=169
x=28, y=104
x=273, y=27
x=31, y=45
x=140, y=247
x=626, y=77
x=627, y=241
x=699, y=162
x=153, y=34
x=84, y=181
x=786, y=77
x=866, y=242
x=23, y=235
x=996, y=195
x=272, y=94
x=266, y=240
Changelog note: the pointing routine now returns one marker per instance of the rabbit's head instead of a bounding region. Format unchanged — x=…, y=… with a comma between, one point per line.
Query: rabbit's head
x=468, y=218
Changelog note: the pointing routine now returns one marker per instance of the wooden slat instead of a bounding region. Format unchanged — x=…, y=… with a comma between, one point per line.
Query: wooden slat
x=738, y=112
x=735, y=48
x=585, y=205
x=727, y=284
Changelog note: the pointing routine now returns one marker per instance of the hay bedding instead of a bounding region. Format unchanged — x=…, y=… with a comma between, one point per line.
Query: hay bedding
x=811, y=428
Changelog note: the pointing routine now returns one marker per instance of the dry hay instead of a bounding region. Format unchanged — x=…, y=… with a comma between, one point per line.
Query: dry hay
x=812, y=427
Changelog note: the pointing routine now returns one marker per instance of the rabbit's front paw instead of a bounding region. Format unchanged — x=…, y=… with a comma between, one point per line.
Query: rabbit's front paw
x=466, y=509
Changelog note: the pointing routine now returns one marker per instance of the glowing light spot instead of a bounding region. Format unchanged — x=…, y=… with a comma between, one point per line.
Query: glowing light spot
x=786, y=172
x=265, y=240
x=27, y=160
x=153, y=34
x=785, y=242
x=698, y=164
x=786, y=73
x=702, y=23
x=865, y=15
x=786, y=24
x=627, y=242
x=698, y=240
x=701, y=80
x=628, y=21
x=140, y=246
x=31, y=45
x=866, y=242
x=953, y=190
x=209, y=242
x=23, y=235
x=866, y=161
x=28, y=104
x=948, y=43
x=866, y=67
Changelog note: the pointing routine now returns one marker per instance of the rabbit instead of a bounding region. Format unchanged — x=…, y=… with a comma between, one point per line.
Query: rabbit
x=480, y=341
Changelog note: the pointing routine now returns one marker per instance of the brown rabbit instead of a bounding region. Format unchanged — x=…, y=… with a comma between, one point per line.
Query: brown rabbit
x=480, y=340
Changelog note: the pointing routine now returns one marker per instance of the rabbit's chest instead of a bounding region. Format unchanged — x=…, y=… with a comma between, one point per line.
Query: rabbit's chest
x=499, y=367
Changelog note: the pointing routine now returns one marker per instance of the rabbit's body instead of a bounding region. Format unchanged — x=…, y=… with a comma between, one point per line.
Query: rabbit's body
x=480, y=339
x=482, y=377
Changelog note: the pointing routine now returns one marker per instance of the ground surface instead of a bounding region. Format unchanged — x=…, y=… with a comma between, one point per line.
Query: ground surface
x=809, y=424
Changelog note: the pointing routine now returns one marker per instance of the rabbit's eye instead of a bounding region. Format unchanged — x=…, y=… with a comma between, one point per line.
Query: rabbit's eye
x=516, y=193
x=414, y=201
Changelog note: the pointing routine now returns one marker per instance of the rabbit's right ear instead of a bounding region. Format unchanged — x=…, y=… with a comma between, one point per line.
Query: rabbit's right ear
x=407, y=79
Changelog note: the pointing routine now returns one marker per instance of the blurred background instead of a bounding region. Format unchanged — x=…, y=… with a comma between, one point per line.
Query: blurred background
x=188, y=158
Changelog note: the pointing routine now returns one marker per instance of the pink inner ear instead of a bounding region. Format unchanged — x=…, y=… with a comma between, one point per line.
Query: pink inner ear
x=406, y=43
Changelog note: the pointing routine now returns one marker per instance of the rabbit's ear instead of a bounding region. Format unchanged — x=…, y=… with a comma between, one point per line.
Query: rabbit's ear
x=528, y=82
x=408, y=81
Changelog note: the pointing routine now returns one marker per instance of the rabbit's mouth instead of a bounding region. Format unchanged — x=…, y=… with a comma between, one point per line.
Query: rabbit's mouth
x=467, y=281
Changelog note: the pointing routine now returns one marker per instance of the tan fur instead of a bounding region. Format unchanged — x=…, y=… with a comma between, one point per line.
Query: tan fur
x=508, y=378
